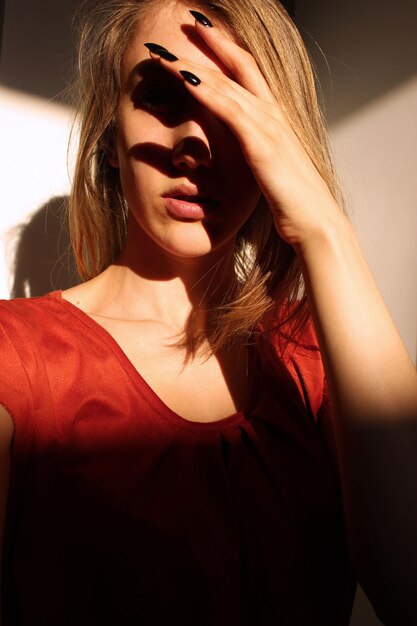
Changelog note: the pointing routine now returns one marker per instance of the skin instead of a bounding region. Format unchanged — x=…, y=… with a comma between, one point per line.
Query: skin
x=232, y=117
x=191, y=146
x=168, y=260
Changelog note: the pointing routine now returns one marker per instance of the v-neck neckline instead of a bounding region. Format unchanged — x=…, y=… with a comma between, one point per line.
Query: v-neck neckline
x=139, y=380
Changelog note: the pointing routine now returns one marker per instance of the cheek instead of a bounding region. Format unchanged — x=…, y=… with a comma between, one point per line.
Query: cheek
x=144, y=154
x=136, y=129
x=239, y=178
x=243, y=190
x=134, y=171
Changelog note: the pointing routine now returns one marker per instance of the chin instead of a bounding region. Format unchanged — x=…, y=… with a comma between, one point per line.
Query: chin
x=184, y=239
x=189, y=245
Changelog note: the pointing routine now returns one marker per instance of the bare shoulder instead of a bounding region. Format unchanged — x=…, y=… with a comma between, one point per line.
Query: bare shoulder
x=79, y=294
x=92, y=295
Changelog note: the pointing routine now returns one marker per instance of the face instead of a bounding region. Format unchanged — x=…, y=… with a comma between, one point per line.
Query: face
x=187, y=185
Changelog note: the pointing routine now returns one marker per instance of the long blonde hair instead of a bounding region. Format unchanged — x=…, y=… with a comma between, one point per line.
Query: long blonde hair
x=269, y=277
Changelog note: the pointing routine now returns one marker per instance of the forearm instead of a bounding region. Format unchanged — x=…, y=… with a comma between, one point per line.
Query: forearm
x=373, y=391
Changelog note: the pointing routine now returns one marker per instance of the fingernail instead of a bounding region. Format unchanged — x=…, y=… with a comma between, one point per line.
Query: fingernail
x=201, y=18
x=154, y=47
x=166, y=55
x=190, y=78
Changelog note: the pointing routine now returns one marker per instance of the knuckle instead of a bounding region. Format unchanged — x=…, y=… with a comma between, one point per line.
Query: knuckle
x=234, y=108
x=250, y=61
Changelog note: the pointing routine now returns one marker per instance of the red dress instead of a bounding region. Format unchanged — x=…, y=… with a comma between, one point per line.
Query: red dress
x=123, y=513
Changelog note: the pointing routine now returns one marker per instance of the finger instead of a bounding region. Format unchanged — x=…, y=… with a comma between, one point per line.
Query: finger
x=245, y=114
x=174, y=65
x=239, y=61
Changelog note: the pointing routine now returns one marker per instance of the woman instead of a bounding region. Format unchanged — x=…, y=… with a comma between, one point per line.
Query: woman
x=174, y=452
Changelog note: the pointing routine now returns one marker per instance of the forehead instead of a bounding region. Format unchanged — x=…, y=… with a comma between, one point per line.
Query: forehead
x=171, y=25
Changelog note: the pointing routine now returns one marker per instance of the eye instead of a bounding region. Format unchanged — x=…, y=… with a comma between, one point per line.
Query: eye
x=158, y=99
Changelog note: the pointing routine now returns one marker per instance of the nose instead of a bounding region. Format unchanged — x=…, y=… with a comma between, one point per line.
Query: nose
x=192, y=147
x=190, y=153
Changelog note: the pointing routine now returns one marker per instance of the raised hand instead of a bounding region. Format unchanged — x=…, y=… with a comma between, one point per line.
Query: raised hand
x=299, y=198
x=371, y=380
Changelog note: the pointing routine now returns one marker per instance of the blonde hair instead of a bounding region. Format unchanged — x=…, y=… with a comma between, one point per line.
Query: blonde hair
x=269, y=277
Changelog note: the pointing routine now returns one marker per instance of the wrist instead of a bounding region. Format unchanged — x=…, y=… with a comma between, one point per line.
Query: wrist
x=331, y=234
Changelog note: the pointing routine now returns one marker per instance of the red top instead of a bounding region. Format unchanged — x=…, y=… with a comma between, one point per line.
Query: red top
x=121, y=512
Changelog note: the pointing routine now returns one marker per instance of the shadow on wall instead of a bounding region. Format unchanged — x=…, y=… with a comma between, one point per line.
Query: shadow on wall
x=43, y=260
x=43, y=70
x=364, y=49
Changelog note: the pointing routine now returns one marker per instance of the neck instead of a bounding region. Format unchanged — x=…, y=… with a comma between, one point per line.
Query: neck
x=158, y=286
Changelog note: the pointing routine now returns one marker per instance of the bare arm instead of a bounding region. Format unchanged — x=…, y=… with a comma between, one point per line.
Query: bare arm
x=372, y=382
x=6, y=434
x=373, y=391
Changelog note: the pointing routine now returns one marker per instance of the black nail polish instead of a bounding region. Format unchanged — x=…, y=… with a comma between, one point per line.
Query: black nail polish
x=166, y=55
x=201, y=18
x=190, y=78
x=154, y=47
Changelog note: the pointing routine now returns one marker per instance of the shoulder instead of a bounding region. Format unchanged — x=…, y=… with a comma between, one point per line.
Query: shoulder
x=27, y=306
x=34, y=333
x=20, y=313
x=40, y=320
x=28, y=325
x=47, y=349
x=298, y=355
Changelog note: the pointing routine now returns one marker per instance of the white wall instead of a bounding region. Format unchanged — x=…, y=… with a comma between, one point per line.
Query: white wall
x=376, y=155
x=366, y=59
x=37, y=52
x=33, y=164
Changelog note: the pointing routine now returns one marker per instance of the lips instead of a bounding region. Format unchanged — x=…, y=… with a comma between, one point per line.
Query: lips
x=187, y=202
x=188, y=193
x=191, y=198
